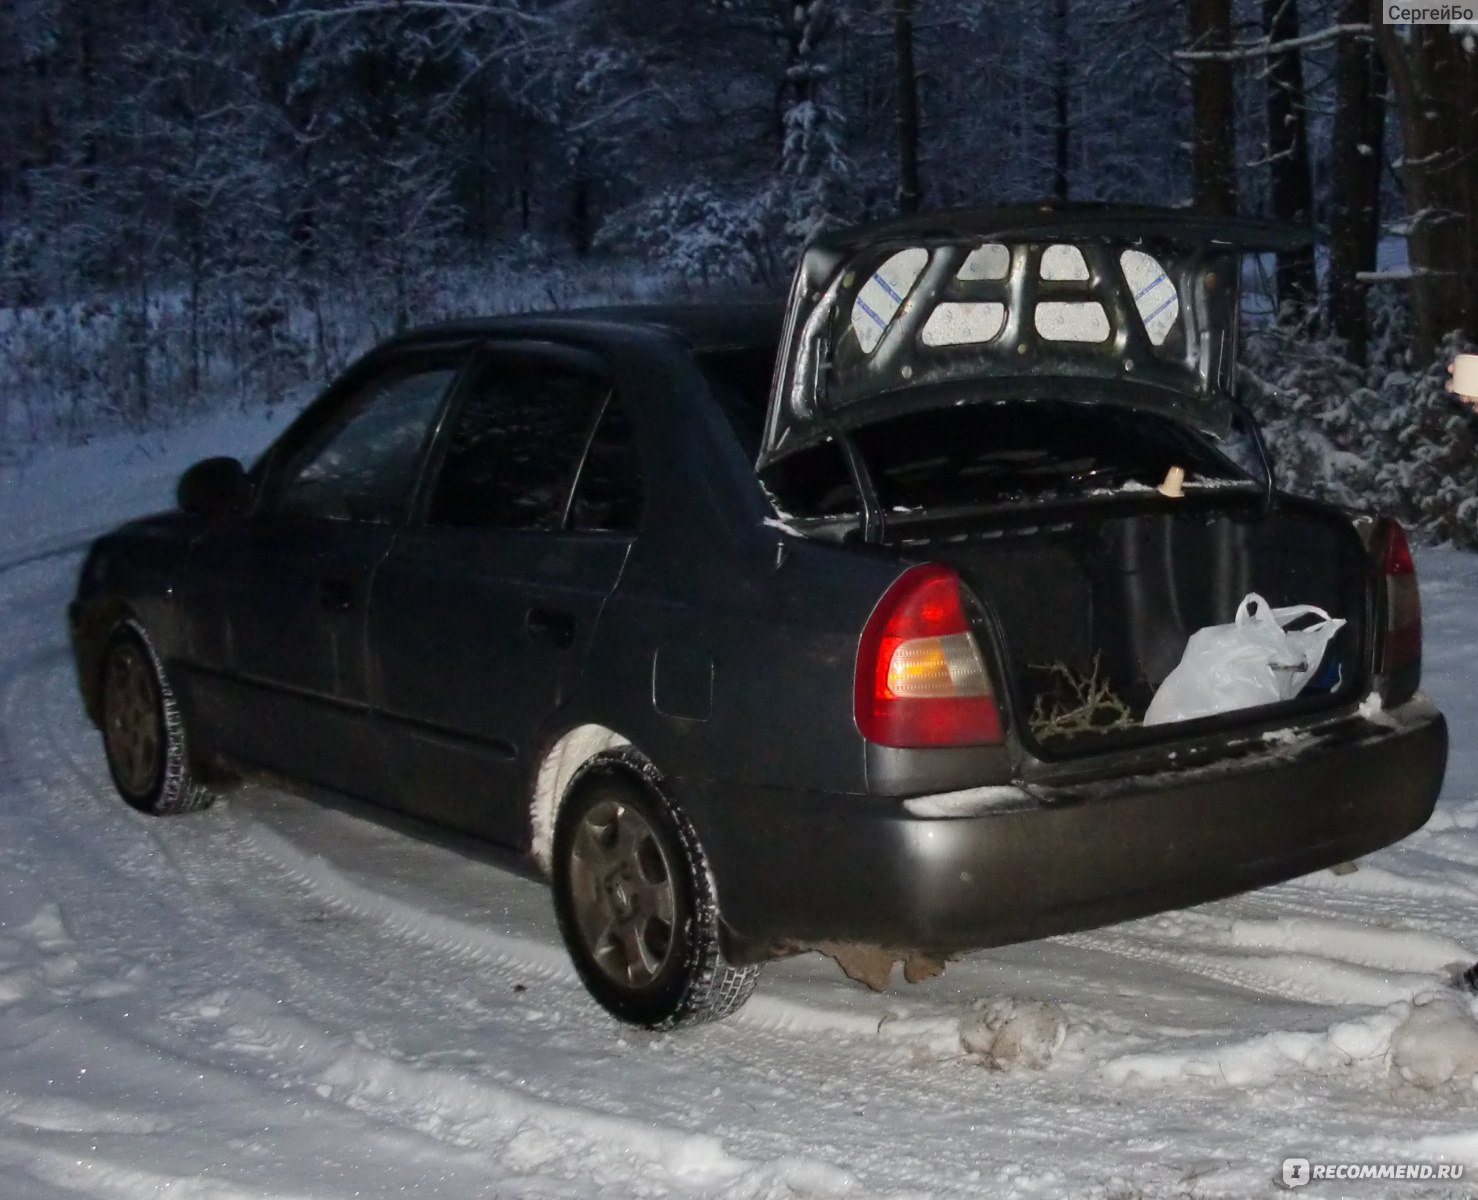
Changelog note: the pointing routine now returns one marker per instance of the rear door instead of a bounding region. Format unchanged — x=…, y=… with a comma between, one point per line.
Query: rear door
x=483, y=610
x=280, y=594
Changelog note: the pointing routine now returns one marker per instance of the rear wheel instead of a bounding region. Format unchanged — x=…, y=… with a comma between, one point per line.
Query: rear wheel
x=143, y=730
x=635, y=902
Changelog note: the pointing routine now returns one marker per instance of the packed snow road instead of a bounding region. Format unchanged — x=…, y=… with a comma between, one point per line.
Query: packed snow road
x=280, y=998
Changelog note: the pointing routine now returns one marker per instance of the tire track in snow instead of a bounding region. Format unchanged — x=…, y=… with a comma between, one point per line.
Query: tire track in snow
x=77, y=803
x=516, y=957
x=1308, y=978
x=508, y=1126
x=41, y=699
x=45, y=552
x=525, y=958
x=512, y=955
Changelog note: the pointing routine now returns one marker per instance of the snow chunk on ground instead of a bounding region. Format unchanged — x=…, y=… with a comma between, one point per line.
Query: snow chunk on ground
x=1010, y=1035
x=1437, y=1044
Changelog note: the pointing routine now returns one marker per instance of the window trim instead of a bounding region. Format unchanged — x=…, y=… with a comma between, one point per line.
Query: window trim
x=600, y=415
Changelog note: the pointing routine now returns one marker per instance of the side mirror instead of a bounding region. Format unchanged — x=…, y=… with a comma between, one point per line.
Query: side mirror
x=214, y=487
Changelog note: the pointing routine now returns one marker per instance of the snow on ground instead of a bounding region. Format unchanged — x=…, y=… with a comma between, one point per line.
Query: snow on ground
x=279, y=998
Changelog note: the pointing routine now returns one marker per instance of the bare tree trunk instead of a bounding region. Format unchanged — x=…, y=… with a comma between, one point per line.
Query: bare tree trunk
x=582, y=205
x=910, y=191
x=195, y=383
x=1435, y=82
x=1288, y=153
x=525, y=183
x=1213, y=110
x=87, y=60
x=1359, y=130
x=1061, y=73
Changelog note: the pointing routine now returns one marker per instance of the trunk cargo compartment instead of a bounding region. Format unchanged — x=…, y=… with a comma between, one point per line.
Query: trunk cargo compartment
x=1121, y=589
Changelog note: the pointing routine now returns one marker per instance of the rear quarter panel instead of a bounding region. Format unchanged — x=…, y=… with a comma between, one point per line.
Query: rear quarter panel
x=727, y=647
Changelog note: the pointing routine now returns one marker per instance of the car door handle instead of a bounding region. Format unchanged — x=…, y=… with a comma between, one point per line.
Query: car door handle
x=336, y=595
x=550, y=626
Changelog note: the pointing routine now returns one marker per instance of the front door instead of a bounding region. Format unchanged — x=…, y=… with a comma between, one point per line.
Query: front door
x=482, y=612
x=278, y=633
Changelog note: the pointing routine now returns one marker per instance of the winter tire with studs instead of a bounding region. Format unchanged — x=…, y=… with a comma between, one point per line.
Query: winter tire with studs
x=144, y=731
x=635, y=901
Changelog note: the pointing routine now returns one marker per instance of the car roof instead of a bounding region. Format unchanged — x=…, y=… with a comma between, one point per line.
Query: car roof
x=703, y=326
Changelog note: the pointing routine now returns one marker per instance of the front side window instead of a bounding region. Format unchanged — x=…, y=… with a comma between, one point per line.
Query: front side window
x=363, y=466
x=517, y=441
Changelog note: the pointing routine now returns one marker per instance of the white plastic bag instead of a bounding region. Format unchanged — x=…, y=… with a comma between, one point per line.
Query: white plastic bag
x=1255, y=660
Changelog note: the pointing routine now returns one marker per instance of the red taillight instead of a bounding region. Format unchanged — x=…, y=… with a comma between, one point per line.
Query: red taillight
x=1397, y=555
x=920, y=678
x=1403, y=645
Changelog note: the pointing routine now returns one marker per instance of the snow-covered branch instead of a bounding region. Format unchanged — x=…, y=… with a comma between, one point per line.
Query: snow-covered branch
x=1265, y=47
x=467, y=9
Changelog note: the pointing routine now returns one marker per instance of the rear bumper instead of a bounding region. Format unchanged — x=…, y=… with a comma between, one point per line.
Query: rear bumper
x=793, y=869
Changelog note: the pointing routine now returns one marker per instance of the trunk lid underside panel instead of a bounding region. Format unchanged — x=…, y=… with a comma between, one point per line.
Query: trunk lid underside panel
x=1141, y=304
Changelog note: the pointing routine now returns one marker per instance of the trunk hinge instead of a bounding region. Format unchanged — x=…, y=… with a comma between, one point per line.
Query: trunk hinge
x=872, y=510
x=1261, y=446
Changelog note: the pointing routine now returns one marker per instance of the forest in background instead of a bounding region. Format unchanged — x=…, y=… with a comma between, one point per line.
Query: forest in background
x=225, y=202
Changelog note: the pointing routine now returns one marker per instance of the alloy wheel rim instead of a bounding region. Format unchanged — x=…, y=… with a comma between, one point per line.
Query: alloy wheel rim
x=624, y=899
x=132, y=724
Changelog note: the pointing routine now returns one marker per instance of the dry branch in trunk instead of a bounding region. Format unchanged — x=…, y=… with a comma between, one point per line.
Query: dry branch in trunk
x=1077, y=703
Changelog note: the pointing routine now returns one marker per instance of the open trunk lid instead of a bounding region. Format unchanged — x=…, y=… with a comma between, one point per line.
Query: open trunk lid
x=1129, y=306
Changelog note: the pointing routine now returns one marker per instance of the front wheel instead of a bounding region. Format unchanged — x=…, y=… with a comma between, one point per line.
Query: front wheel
x=144, y=731
x=635, y=902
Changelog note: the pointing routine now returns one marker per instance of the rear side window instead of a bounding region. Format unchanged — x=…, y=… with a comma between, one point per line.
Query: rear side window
x=610, y=491
x=515, y=447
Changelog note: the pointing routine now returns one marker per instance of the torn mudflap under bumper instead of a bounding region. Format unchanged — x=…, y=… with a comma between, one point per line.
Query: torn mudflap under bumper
x=945, y=874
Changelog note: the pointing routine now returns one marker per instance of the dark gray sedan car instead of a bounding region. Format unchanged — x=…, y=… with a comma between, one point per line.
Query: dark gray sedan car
x=763, y=630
